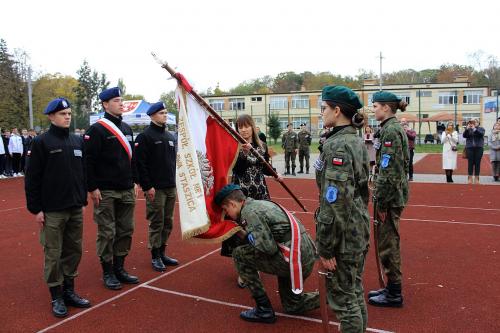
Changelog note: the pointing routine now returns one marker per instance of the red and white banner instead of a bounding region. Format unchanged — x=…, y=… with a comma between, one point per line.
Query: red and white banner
x=113, y=129
x=206, y=154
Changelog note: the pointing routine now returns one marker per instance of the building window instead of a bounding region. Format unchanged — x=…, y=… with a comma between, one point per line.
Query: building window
x=370, y=99
x=319, y=102
x=300, y=102
x=216, y=104
x=257, y=99
x=469, y=116
x=405, y=96
x=424, y=93
x=257, y=120
x=283, y=122
x=278, y=102
x=236, y=104
x=447, y=97
x=296, y=121
x=320, y=123
x=472, y=96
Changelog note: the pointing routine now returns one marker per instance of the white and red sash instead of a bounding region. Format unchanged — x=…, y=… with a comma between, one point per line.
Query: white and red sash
x=113, y=129
x=292, y=254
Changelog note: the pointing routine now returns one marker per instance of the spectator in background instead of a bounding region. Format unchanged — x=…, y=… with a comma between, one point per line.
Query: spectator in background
x=369, y=141
x=449, y=138
x=8, y=159
x=26, y=145
x=495, y=151
x=2, y=159
x=411, y=134
x=474, y=135
x=77, y=132
x=16, y=152
x=261, y=135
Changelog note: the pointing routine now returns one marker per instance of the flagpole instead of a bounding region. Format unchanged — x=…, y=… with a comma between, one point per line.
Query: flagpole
x=185, y=84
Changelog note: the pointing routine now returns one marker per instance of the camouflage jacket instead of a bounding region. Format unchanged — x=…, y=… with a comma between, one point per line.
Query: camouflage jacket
x=304, y=139
x=290, y=141
x=268, y=225
x=392, y=165
x=343, y=221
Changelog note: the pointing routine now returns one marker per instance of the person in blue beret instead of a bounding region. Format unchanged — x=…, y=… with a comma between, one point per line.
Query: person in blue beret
x=342, y=219
x=113, y=186
x=391, y=194
x=56, y=194
x=155, y=151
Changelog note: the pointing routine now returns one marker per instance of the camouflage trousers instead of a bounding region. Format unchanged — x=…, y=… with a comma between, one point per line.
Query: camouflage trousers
x=304, y=154
x=160, y=214
x=290, y=155
x=389, y=244
x=346, y=295
x=249, y=262
x=61, y=238
x=115, y=223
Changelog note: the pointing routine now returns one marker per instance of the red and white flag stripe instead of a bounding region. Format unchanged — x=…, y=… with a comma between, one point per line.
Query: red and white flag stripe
x=107, y=124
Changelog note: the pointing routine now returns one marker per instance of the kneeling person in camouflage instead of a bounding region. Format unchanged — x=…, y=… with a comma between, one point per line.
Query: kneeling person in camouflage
x=272, y=233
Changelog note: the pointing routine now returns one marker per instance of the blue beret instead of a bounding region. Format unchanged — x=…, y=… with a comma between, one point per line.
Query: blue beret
x=110, y=93
x=224, y=192
x=341, y=95
x=57, y=104
x=385, y=96
x=158, y=106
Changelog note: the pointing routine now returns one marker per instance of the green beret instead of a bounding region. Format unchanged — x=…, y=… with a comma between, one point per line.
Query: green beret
x=224, y=192
x=385, y=96
x=341, y=95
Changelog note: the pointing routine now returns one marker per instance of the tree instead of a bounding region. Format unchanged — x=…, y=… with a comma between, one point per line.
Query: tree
x=122, y=86
x=13, y=91
x=169, y=99
x=90, y=83
x=287, y=81
x=274, y=127
x=46, y=88
x=130, y=97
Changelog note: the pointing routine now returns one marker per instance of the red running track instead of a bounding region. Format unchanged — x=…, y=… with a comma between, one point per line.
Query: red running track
x=450, y=238
x=433, y=164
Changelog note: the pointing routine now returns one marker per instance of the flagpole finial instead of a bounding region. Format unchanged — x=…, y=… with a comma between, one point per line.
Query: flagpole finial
x=158, y=60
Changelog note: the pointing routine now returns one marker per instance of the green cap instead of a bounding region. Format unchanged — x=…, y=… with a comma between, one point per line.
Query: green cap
x=224, y=192
x=341, y=95
x=385, y=96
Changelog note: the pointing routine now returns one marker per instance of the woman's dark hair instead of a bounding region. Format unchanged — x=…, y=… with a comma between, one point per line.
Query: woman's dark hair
x=395, y=106
x=357, y=118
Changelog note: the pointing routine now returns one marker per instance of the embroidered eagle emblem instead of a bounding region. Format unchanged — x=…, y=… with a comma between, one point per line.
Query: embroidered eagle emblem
x=207, y=172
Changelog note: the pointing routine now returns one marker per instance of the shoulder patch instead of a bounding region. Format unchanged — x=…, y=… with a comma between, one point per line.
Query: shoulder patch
x=136, y=144
x=388, y=144
x=86, y=137
x=337, y=161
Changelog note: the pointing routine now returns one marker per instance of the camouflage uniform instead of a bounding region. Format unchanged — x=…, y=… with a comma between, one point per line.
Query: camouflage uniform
x=343, y=222
x=290, y=142
x=268, y=225
x=304, y=143
x=391, y=193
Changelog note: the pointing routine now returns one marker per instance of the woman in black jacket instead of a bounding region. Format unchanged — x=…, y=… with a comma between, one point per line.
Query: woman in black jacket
x=474, y=135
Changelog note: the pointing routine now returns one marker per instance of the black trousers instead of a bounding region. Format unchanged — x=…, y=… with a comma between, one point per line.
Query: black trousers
x=474, y=156
x=16, y=162
x=2, y=164
x=410, y=168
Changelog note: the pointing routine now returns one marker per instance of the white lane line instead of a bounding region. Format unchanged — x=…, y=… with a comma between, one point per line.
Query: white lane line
x=430, y=221
x=240, y=306
x=9, y=209
x=428, y=206
x=94, y=307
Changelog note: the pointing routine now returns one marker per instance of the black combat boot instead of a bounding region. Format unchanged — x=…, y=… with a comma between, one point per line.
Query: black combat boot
x=392, y=298
x=287, y=172
x=262, y=313
x=293, y=172
x=373, y=293
x=108, y=276
x=167, y=261
x=58, y=307
x=307, y=170
x=71, y=298
x=156, y=261
x=451, y=176
x=301, y=170
x=120, y=272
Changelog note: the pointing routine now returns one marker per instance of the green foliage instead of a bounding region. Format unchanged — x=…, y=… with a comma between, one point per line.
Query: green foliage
x=46, y=88
x=122, y=87
x=90, y=84
x=274, y=127
x=13, y=91
x=129, y=97
x=169, y=99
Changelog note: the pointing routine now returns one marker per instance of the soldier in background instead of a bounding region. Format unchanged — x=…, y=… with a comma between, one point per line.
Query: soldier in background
x=55, y=193
x=155, y=150
x=342, y=220
x=267, y=227
x=110, y=181
x=290, y=144
x=304, y=144
x=391, y=194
